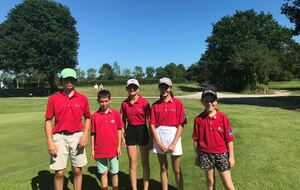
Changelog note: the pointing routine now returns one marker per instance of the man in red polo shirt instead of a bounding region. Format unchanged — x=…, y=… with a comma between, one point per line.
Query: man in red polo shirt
x=69, y=136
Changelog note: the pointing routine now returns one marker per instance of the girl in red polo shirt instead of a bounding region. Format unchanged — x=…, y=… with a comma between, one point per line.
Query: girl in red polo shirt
x=135, y=111
x=213, y=141
x=166, y=123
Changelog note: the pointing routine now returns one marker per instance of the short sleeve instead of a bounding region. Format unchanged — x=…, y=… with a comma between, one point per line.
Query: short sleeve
x=87, y=112
x=152, y=115
x=227, y=130
x=50, y=108
x=93, y=124
x=196, y=127
x=119, y=120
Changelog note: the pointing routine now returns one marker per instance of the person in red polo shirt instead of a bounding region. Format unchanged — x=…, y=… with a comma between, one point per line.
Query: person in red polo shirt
x=166, y=122
x=135, y=111
x=106, y=133
x=213, y=141
x=69, y=136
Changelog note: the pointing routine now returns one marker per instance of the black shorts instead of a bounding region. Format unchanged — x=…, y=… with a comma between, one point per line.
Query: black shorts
x=210, y=161
x=137, y=135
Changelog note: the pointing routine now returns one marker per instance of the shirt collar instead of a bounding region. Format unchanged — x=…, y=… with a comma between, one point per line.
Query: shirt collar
x=75, y=94
x=136, y=102
x=109, y=111
x=213, y=117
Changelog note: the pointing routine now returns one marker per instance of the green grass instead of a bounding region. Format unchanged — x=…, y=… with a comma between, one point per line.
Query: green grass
x=146, y=90
x=266, y=148
x=293, y=86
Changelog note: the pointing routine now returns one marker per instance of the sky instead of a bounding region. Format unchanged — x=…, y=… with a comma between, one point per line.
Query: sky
x=150, y=32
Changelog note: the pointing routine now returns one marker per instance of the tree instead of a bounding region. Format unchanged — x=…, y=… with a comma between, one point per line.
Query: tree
x=160, y=72
x=91, y=74
x=38, y=34
x=232, y=45
x=150, y=72
x=180, y=71
x=170, y=70
x=126, y=73
x=106, y=72
x=138, y=72
x=116, y=70
x=80, y=74
x=293, y=13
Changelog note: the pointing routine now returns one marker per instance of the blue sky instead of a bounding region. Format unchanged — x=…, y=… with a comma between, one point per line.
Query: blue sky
x=150, y=32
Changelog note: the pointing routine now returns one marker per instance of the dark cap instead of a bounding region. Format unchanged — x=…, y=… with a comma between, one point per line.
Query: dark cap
x=209, y=91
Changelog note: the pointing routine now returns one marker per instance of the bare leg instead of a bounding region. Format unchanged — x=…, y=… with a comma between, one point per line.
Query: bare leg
x=77, y=172
x=163, y=162
x=115, y=180
x=144, y=151
x=59, y=179
x=132, y=156
x=227, y=180
x=210, y=179
x=104, y=180
x=177, y=171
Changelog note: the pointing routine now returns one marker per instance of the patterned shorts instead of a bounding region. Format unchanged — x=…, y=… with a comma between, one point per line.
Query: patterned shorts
x=210, y=161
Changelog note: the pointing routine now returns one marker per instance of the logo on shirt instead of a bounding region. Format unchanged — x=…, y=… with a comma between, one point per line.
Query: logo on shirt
x=173, y=110
x=77, y=105
x=112, y=121
x=229, y=132
x=219, y=129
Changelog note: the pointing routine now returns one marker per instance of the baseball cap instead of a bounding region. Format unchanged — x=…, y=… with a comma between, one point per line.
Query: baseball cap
x=212, y=91
x=133, y=81
x=165, y=80
x=68, y=72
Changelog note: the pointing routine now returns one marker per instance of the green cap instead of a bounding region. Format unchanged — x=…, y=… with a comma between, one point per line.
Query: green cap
x=68, y=72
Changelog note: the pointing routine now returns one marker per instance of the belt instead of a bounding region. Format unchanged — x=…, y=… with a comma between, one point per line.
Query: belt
x=67, y=133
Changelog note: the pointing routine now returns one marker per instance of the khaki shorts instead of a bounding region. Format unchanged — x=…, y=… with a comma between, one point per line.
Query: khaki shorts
x=67, y=145
x=166, y=135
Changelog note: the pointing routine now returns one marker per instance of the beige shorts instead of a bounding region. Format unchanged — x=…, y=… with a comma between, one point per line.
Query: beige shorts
x=67, y=145
x=166, y=135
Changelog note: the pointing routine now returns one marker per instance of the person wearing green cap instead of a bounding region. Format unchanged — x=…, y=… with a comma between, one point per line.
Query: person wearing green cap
x=68, y=137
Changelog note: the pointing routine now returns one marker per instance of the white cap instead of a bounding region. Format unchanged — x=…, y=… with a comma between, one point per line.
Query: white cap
x=165, y=80
x=133, y=81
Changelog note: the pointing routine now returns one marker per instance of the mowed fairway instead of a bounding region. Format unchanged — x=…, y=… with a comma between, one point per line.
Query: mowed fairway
x=266, y=149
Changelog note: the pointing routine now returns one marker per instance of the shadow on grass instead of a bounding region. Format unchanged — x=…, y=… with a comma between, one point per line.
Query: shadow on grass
x=283, y=102
x=124, y=181
x=44, y=181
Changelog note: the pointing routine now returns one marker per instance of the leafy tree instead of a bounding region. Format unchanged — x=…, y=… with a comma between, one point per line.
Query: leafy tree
x=231, y=47
x=106, y=72
x=150, y=72
x=293, y=13
x=80, y=74
x=127, y=73
x=180, y=71
x=170, y=70
x=38, y=34
x=138, y=72
x=116, y=70
x=91, y=74
x=160, y=72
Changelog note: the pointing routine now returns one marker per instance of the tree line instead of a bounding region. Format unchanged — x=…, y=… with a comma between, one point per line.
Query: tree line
x=39, y=38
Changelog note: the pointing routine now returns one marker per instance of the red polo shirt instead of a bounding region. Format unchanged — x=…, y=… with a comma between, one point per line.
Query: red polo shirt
x=212, y=133
x=68, y=111
x=105, y=128
x=135, y=113
x=169, y=113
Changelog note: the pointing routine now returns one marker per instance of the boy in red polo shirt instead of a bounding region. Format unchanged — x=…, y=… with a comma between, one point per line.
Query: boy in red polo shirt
x=213, y=141
x=166, y=122
x=68, y=137
x=106, y=133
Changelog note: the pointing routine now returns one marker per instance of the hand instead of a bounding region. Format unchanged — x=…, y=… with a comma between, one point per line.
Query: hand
x=162, y=147
x=231, y=162
x=83, y=141
x=93, y=155
x=51, y=148
x=123, y=141
x=197, y=161
x=119, y=152
x=171, y=148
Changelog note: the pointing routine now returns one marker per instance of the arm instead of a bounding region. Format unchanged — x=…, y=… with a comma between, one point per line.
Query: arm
x=156, y=138
x=48, y=131
x=123, y=131
x=120, y=131
x=176, y=138
x=197, y=162
x=93, y=143
x=231, y=153
x=84, y=138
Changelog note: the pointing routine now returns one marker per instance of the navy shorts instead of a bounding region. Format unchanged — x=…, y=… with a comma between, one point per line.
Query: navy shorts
x=137, y=135
x=209, y=161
